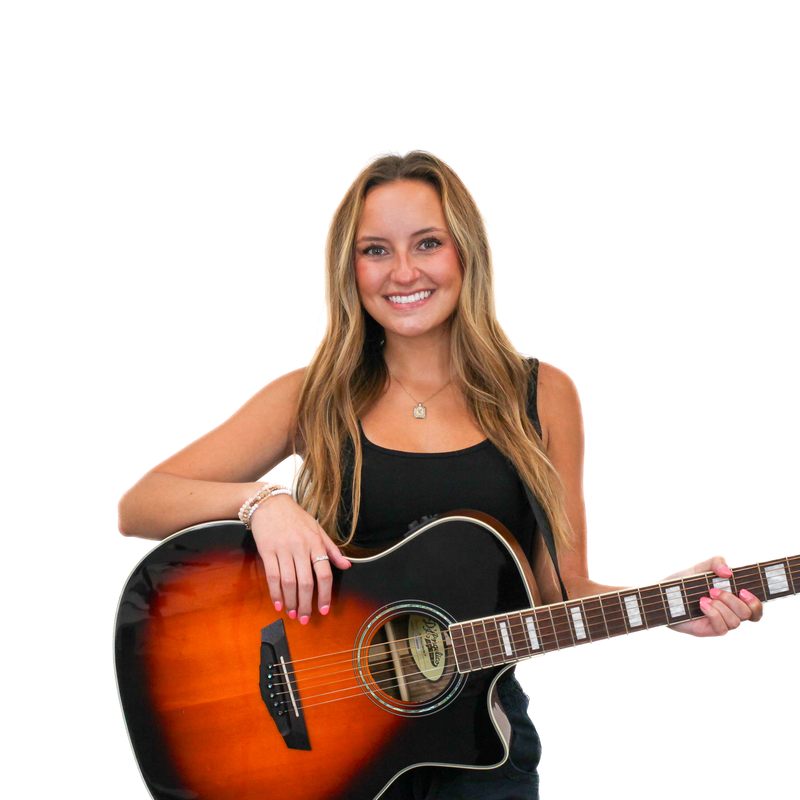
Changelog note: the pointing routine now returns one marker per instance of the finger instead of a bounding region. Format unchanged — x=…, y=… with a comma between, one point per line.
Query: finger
x=720, y=567
x=288, y=583
x=322, y=569
x=305, y=586
x=756, y=608
x=737, y=606
x=713, y=615
x=333, y=551
x=730, y=619
x=273, y=573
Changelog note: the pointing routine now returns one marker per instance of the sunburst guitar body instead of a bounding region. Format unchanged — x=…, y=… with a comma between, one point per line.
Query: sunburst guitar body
x=226, y=699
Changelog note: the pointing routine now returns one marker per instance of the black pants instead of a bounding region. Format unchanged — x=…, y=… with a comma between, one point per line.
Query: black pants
x=517, y=779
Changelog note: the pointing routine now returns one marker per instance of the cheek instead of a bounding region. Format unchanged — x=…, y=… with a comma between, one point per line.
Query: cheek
x=365, y=281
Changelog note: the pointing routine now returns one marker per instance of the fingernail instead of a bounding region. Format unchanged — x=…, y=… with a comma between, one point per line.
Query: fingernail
x=278, y=605
x=304, y=619
x=725, y=572
x=745, y=595
x=715, y=593
x=705, y=602
x=292, y=614
x=324, y=610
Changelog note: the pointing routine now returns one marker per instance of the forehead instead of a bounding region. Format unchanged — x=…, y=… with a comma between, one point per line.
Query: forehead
x=400, y=207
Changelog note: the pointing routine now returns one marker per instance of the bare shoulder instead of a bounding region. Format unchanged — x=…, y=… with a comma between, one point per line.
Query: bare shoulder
x=285, y=389
x=558, y=403
x=249, y=443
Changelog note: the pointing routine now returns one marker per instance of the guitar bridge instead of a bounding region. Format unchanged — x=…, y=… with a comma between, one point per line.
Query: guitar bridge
x=279, y=687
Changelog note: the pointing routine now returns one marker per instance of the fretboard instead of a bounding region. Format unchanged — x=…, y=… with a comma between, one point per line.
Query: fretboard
x=506, y=638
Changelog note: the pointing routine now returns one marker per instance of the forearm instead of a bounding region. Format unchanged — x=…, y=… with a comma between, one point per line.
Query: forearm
x=161, y=504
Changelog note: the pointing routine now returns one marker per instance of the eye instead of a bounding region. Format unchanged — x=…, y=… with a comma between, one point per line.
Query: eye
x=434, y=243
x=369, y=250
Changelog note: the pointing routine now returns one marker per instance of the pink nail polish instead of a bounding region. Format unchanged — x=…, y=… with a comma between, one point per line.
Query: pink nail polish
x=278, y=605
x=292, y=614
x=304, y=619
x=725, y=572
x=705, y=602
x=745, y=595
x=324, y=610
x=714, y=592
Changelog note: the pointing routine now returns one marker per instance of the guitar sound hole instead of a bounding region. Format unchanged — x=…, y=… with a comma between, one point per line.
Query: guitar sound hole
x=406, y=661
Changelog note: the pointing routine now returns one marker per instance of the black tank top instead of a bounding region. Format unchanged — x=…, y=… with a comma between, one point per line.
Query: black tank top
x=401, y=490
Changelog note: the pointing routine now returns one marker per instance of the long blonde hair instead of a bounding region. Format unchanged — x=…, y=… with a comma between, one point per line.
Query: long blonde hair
x=348, y=372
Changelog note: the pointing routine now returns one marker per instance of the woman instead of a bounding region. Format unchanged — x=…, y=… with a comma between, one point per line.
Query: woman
x=414, y=383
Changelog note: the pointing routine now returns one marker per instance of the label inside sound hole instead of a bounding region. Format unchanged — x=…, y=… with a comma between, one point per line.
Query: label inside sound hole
x=426, y=643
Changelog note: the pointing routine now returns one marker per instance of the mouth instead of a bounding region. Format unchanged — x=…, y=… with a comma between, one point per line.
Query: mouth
x=413, y=300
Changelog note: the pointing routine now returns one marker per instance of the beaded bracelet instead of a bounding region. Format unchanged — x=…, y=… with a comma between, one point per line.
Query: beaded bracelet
x=250, y=505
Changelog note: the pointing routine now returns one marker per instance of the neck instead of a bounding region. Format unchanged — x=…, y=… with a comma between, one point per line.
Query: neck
x=506, y=638
x=419, y=361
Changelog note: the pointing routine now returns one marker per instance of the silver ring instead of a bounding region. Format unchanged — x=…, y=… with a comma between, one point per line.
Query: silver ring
x=319, y=558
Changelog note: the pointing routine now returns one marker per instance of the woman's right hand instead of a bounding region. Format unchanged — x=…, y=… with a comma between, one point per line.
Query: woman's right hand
x=291, y=542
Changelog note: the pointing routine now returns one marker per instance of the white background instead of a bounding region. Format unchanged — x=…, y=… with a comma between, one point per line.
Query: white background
x=168, y=174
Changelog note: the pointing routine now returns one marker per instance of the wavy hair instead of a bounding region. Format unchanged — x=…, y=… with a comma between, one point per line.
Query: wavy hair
x=348, y=373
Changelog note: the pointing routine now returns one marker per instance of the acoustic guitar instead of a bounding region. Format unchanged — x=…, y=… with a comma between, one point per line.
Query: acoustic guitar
x=225, y=699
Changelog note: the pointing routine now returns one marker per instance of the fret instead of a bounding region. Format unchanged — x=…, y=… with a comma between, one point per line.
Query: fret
x=763, y=596
x=794, y=571
x=613, y=614
x=479, y=650
x=547, y=632
x=594, y=618
x=463, y=663
x=749, y=578
x=726, y=584
x=693, y=590
x=509, y=654
x=654, y=609
x=491, y=641
x=562, y=625
x=675, y=601
x=532, y=632
x=577, y=620
x=623, y=612
x=519, y=637
x=789, y=573
x=632, y=603
x=472, y=645
x=777, y=579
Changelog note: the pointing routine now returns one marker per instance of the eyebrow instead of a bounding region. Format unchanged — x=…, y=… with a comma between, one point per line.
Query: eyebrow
x=381, y=238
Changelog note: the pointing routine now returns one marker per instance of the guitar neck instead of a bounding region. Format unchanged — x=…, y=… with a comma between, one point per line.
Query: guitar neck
x=508, y=638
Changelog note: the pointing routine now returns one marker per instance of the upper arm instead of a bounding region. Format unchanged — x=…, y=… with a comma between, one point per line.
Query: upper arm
x=562, y=434
x=249, y=444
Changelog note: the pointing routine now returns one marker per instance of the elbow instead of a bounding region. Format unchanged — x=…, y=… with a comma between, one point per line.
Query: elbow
x=126, y=519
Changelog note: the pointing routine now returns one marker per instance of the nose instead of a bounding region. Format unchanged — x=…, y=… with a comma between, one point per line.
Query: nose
x=403, y=269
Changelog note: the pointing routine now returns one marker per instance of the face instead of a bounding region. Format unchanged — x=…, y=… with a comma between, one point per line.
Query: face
x=407, y=267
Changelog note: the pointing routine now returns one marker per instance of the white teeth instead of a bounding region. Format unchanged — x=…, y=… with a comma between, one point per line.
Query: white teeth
x=410, y=298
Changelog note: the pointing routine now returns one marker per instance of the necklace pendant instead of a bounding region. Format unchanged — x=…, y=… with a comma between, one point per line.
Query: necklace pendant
x=420, y=412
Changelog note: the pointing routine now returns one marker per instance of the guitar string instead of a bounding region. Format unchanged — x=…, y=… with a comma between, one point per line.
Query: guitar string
x=481, y=652
x=490, y=649
x=656, y=587
x=559, y=607
x=362, y=691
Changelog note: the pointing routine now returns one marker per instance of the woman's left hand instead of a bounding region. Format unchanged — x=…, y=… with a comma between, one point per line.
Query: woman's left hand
x=723, y=611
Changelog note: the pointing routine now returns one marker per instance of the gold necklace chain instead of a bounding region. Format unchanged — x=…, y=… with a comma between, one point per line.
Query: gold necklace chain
x=420, y=411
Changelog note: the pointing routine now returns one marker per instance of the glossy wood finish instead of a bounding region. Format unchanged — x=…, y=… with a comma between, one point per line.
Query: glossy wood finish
x=187, y=651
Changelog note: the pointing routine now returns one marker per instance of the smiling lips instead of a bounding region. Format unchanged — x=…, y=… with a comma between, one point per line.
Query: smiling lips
x=409, y=299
